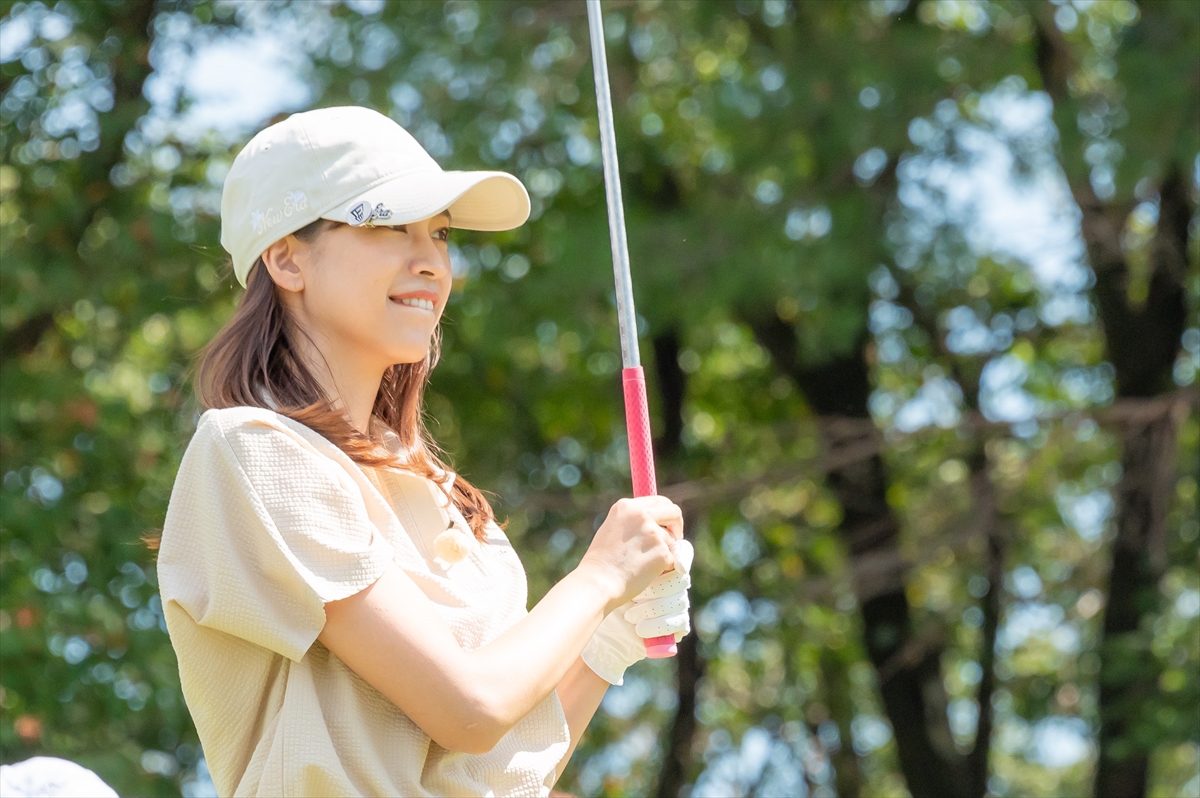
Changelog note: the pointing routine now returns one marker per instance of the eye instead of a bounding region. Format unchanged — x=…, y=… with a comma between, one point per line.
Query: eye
x=443, y=233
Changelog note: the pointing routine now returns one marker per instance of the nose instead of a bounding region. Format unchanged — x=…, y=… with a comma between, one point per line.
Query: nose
x=426, y=258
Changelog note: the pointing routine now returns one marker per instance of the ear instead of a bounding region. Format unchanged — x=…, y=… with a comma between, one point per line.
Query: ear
x=282, y=260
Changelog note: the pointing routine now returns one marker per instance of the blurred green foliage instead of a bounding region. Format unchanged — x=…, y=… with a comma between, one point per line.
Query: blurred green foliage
x=802, y=163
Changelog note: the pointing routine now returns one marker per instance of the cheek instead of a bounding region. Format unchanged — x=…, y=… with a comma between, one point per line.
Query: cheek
x=350, y=306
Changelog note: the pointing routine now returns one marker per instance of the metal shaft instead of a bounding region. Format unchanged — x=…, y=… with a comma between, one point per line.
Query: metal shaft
x=626, y=316
x=633, y=379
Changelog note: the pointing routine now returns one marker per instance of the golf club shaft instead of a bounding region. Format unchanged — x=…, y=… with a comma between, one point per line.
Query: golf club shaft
x=637, y=414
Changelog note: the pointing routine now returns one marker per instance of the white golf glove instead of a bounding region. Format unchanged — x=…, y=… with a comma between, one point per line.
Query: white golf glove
x=661, y=609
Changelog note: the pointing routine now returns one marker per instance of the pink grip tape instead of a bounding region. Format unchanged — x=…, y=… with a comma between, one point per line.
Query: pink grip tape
x=637, y=423
x=641, y=467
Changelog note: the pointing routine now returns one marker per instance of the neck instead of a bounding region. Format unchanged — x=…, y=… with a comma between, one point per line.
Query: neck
x=351, y=382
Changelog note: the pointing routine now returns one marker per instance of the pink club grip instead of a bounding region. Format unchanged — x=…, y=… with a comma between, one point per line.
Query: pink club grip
x=637, y=423
x=641, y=467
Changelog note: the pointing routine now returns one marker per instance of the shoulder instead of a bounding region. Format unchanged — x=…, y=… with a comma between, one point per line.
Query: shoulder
x=222, y=420
x=242, y=423
x=250, y=462
x=256, y=439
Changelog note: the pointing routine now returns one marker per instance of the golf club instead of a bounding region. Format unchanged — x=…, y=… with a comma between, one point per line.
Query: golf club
x=637, y=414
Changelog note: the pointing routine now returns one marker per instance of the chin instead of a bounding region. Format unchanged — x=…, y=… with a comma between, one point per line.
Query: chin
x=410, y=356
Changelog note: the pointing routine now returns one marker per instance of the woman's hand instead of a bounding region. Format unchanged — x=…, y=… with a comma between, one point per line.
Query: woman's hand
x=660, y=609
x=634, y=545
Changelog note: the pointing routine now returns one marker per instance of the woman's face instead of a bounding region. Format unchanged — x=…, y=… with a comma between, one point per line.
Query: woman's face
x=375, y=292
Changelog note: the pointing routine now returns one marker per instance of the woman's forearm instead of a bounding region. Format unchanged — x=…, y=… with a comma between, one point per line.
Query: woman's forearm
x=531, y=658
x=392, y=635
x=580, y=693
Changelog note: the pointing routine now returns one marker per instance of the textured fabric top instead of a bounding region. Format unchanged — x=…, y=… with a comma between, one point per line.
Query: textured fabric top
x=267, y=521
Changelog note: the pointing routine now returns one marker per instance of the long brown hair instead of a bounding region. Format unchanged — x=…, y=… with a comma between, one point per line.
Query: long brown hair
x=256, y=353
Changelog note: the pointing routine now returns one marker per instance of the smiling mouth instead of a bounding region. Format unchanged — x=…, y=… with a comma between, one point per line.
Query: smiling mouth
x=423, y=304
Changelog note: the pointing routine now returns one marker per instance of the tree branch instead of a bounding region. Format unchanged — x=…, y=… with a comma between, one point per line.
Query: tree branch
x=130, y=68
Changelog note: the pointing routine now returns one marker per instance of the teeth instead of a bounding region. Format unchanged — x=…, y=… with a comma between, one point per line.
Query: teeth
x=417, y=303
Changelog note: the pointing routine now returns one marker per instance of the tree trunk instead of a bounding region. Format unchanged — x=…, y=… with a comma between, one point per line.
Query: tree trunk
x=677, y=764
x=670, y=383
x=909, y=666
x=1128, y=671
x=1143, y=340
x=985, y=506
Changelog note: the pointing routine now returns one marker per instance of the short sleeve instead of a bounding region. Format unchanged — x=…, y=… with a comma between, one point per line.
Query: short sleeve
x=261, y=531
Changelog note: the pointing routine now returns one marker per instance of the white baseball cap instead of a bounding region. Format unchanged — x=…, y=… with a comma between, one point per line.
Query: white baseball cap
x=352, y=165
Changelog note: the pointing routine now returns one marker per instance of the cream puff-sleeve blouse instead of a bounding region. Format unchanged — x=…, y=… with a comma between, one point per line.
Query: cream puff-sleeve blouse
x=266, y=522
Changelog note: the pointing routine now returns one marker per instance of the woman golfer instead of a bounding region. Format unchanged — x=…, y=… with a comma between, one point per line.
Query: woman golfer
x=348, y=617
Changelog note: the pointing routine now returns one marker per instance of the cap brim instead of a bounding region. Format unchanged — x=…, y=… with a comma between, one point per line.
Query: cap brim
x=477, y=200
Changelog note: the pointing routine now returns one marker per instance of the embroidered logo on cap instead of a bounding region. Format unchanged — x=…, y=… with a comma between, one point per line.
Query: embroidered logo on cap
x=363, y=215
x=293, y=202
